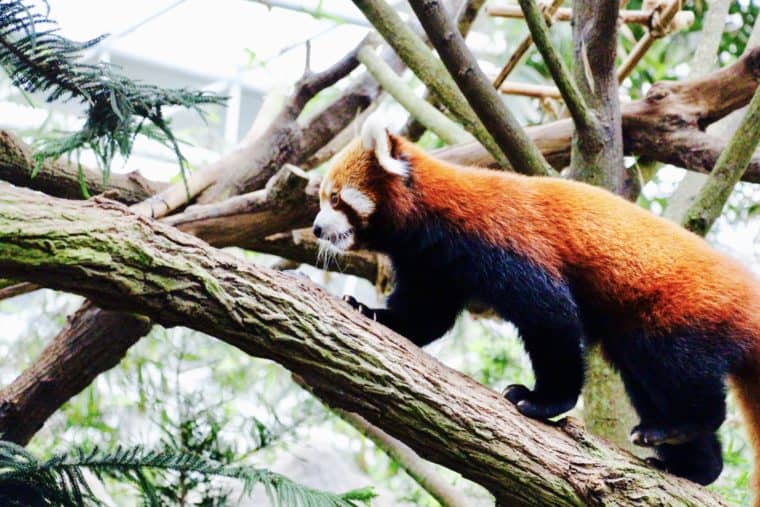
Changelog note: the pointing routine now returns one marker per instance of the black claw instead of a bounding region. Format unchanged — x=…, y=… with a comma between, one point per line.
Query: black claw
x=648, y=436
x=656, y=463
x=530, y=405
x=516, y=393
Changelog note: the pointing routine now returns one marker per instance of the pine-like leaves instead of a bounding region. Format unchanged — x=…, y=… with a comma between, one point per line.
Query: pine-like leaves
x=38, y=59
x=59, y=481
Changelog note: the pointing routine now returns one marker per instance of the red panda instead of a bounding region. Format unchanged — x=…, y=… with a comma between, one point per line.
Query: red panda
x=570, y=265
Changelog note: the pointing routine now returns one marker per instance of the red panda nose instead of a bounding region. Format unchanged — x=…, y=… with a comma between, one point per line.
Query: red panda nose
x=317, y=231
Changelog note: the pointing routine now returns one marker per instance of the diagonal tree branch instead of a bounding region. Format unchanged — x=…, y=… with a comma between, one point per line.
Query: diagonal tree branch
x=476, y=87
x=420, y=109
x=416, y=55
x=728, y=171
x=583, y=117
x=349, y=361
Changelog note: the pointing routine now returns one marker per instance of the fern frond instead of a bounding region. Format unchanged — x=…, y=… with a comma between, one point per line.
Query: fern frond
x=24, y=480
x=39, y=59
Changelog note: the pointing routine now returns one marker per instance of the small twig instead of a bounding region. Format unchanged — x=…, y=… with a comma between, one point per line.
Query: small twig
x=416, y=55
x=425, y=473
x=530, y=90
x=466, y=14
x=727, y=172
x=524, y=46
x=582, y=115
x=656, y=31
x=565, y=14
x=307, y=64
x=17, y=290
x=484, y=100
x=428, y=115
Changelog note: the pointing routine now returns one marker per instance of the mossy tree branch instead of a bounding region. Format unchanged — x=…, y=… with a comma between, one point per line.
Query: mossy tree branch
x=582, y=116
x=476, y=87
x=467, y=12
x=129, y=263
x=416, y=55
x=729, y=169
x=422, y=110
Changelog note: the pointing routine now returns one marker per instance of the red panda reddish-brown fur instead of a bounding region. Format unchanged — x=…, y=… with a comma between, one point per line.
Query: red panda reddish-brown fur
x=673, y=315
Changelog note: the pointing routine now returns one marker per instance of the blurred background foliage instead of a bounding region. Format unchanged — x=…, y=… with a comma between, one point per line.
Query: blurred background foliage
x=181, y=389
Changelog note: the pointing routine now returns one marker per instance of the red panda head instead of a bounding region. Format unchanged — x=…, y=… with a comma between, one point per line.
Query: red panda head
x=365, y=188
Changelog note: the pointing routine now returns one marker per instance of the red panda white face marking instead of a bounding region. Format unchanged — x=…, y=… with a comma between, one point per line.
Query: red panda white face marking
x=349, y=193
x=358, y=200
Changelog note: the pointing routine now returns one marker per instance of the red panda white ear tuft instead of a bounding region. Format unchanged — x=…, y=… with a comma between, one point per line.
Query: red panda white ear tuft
x=375, y=137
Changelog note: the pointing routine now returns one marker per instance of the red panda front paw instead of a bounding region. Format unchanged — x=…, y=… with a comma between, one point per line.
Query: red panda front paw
x=529, y=404
x=356, y=305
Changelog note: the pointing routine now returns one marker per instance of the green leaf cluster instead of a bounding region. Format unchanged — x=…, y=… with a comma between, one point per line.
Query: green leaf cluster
x=39, y=59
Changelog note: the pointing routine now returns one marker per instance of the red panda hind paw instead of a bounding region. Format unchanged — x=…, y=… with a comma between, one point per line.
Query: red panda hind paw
x=647, y=436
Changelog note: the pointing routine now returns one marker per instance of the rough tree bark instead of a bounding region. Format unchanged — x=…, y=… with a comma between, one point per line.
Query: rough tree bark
x=69, y=364
x=131, y=263
x=289, y=199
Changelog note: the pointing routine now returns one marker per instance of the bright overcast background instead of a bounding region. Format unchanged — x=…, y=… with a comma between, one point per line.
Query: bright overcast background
x=253, y=53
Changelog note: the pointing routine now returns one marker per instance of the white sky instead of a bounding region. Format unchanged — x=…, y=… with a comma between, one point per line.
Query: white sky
x=212, y=36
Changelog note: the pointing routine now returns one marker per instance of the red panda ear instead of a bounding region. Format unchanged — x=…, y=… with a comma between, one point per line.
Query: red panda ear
x=375, y=138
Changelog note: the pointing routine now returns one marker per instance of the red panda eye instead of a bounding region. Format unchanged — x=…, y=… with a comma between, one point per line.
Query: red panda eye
x=334, y=199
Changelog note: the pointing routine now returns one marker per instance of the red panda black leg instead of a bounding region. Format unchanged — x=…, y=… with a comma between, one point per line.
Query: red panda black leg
x=557, y=359
x=420, y=317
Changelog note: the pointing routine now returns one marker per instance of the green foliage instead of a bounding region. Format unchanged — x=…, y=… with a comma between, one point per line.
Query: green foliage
x=38, y=59
x=60, y=481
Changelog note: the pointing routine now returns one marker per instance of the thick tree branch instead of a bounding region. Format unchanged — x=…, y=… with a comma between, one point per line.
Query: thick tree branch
x=288, y=201
x=349, y=361
x=61, y=179
x=252, y=221
x=92, y=342
x=467, y=12
x=476, y=87
x=597, y=158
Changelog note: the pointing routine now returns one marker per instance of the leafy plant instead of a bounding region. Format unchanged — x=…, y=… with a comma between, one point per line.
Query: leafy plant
x=60, y=481
x=38, y=59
